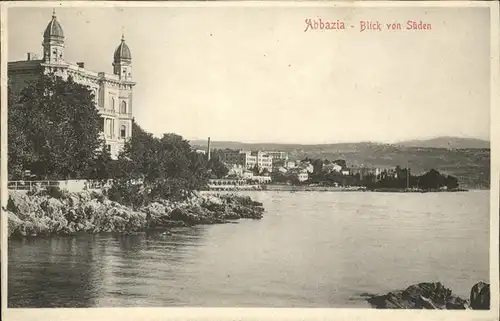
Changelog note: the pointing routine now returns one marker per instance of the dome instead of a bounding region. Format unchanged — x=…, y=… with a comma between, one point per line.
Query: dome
x=54, y=29
x=122, y=52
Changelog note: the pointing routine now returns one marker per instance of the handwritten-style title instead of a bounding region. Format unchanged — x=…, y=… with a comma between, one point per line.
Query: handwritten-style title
x=365, y=25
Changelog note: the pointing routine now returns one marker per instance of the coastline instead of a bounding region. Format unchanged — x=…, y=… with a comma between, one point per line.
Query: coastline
x=42, y=214
x=302, y=188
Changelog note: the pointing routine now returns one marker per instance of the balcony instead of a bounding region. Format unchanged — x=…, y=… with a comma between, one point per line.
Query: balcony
x=113, y=113
x=106, y=111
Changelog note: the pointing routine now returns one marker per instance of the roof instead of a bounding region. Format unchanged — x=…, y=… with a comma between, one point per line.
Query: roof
x=54, y=29
x=122, y=52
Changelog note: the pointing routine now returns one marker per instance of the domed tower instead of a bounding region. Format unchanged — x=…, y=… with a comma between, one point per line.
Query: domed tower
x=122, y=61
x=53, y=42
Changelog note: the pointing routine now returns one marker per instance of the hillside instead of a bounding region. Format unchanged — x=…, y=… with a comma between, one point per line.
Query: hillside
x=470, y=165
x=447, y=142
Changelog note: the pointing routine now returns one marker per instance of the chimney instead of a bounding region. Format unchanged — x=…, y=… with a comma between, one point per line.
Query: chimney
x=208, y=148
x=80, y=64
x=31, y=56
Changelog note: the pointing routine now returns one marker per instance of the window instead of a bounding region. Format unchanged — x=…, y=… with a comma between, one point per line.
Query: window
x=124, y=107
x=123, y=131
x=109, y=148
x=112, y=103
x=108, y=128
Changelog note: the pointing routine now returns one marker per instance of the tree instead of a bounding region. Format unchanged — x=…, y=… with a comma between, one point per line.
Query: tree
x=166, y=167
x=451, y=182
x=21, y=149
x=431, y=180
x=54, y=129
x=103, y=165
x=218, y=168
x=256, y=169
x=317, y=165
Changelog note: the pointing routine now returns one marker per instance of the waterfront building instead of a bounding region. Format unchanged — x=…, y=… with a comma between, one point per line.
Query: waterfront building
x=112, y=91
x=247, y=174
x=247, y=159
x=236, y=170
x=232, y=157
x=301, y=175
x=262, y=179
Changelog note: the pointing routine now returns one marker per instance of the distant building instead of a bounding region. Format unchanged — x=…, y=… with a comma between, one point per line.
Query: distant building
x=201, y=151
x=247, y=159
x=365, y=171
x=300, y=174
x=236, y=170
x=232, y=157
x=281, y=170
x=246, y=174
x=278, y=155
x=332, y=167
x=307, y=166
x=262, y=179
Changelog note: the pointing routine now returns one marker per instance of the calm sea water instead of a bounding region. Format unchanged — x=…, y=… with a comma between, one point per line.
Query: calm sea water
x=311, y=249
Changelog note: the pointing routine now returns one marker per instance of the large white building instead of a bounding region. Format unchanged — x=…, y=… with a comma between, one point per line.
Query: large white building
x=113, y=92
x=247, y=159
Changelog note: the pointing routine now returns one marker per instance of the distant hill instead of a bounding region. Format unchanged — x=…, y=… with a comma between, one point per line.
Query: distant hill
x=447, y=142
x=470, y=165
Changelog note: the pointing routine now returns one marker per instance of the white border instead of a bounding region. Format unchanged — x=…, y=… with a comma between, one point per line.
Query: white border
x=259, y=313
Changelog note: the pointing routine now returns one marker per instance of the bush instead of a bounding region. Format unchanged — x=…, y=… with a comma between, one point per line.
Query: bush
x=55, y=192
x=128, y=194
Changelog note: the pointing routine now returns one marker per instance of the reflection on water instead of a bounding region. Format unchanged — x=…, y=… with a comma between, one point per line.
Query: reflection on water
x=310, y=250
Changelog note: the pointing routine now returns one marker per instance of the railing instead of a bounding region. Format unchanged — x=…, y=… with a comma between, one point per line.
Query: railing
x=114, y=112
x=29, y=185
x=69, y=185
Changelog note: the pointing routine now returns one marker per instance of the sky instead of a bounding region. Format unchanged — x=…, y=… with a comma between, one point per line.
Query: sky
x=254, y=74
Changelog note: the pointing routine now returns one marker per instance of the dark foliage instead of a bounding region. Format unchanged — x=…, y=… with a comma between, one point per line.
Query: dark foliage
x=53, y=129
x=157, y=168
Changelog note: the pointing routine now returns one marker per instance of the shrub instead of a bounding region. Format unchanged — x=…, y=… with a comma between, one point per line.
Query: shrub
x=55, y=192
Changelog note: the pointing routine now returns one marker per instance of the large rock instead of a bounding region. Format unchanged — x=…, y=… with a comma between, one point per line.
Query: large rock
x=419, y=296
x=193, y=215
x=480, y=296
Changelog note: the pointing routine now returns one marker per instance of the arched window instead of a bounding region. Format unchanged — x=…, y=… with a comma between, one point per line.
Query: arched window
x=124, y=107
x=112, y=103
x=123, y=131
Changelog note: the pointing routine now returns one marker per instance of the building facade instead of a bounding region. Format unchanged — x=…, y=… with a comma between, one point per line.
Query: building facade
x=277, y=155
x=112, y=92
x=247, y=159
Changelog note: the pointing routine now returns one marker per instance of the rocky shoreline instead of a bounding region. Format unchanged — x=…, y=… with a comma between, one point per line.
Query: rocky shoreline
x=42, y=214
x=432, y=296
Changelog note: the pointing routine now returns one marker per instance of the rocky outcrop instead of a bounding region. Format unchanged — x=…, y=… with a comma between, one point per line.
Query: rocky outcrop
x=42, y=214
x=480, y=296
x=432, y=296
x=204, y=209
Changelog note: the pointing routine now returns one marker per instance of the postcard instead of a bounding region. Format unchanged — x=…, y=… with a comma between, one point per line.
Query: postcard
x=250, y=160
